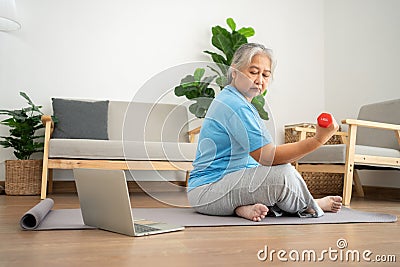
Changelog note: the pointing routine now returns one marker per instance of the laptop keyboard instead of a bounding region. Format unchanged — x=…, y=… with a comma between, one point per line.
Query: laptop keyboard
x=140, y=228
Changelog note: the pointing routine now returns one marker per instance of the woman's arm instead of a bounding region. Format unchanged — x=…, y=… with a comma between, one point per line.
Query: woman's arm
x=286, y=153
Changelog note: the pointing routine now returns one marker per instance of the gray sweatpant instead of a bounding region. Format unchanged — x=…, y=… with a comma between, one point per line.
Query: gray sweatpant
x=281, y=186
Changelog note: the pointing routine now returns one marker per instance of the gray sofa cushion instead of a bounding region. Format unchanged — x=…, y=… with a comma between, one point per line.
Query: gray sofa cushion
x=336, y=154
x=388, y=112
x=136, y=121
x=80, y=119
x=114, y=149
x=327, y=154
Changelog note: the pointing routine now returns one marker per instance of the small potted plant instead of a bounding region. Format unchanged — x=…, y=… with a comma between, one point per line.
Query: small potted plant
x=23, y=176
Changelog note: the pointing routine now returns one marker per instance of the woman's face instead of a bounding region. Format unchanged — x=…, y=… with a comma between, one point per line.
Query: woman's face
x=253, y=79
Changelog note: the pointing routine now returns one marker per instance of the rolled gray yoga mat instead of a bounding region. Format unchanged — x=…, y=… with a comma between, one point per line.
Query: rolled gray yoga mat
x=33, y=217
x=42, y=217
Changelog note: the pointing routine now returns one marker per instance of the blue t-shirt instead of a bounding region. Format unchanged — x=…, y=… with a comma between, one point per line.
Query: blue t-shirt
x=231, y=130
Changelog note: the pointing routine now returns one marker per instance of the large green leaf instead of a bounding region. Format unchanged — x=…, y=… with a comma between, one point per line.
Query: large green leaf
x=200, y=107
x=17, y=114
x=217, y=30
x=179, y=90
x=198, y=74
x=24, y=95
x=220, y=61
x=259, y=102
x=209, y=93
x=204, y=102
x=224, y=43
x=217, y=58
x=192, y=93
x=9, y=122
x=247, y=32
x=221, y=39
x=32, y=107
x=5, y=144
x=188, y=79
x=198, y=111
x=231, y=23
x=238, y=39
x=6, y=112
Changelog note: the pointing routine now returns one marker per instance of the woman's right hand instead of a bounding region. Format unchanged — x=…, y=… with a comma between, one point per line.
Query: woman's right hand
x=324, y=134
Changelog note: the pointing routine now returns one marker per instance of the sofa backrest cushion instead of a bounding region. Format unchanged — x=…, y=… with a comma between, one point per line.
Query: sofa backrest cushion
x=136, y=121
x=78, y=119
x=388, y=112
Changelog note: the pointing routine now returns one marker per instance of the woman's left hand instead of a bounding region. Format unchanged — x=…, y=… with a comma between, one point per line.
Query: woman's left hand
x=324, y=134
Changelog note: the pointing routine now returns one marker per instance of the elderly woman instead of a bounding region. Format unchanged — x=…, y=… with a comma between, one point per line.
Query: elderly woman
x=238, y=170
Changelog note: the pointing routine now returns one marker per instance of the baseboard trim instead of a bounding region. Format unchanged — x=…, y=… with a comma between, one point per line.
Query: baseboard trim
x=133, y=187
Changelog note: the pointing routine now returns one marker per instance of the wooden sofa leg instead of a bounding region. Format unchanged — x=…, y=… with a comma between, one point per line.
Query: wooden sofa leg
x=45, y=171
x=44, y=181
x=347, y=187
x=187, y=178
x=357, y=184
x=50, y=181
x=349, y=166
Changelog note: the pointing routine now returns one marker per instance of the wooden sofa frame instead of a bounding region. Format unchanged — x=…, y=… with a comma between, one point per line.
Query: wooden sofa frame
x=58, y=163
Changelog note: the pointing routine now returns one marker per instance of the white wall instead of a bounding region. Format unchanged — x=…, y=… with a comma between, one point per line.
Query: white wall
x=362, y=41
x=108, y=49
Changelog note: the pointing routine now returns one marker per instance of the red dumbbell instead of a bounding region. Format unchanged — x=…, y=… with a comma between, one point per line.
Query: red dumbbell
x=324, y=120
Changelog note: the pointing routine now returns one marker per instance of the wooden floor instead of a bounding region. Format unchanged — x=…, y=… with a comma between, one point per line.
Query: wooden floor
x=197, y=246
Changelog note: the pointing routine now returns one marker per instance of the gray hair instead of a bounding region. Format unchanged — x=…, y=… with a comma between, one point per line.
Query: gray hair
x=245, y=53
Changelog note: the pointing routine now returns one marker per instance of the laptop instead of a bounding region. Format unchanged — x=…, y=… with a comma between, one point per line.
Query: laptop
x=105, y=204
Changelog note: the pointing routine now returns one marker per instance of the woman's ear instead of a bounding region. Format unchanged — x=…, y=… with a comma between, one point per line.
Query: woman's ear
x=233, y=71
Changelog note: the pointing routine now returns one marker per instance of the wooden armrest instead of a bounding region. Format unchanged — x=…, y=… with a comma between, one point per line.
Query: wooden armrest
x=304, y=129
x=47, y=119
x=312, y=130
x=192, y=134
x=194, y=131
x=372, y=124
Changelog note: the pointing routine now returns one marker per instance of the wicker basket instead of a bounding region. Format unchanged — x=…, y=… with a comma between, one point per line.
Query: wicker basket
x=291, y=135
x=23, y=177
x=319, y=183
x=322, y=184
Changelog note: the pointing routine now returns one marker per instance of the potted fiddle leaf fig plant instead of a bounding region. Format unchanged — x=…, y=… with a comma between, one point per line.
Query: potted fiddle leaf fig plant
x=23, y=176
x=227, y=42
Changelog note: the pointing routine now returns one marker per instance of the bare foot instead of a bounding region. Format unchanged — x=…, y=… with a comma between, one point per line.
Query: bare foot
x=255, y=212
x=330, y=203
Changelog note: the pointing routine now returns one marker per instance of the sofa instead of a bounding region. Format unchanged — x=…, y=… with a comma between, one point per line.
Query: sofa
x=116, y=135
x=371, y=142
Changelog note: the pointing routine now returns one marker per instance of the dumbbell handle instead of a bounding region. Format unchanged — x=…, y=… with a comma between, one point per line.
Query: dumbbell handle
x=325, y=120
